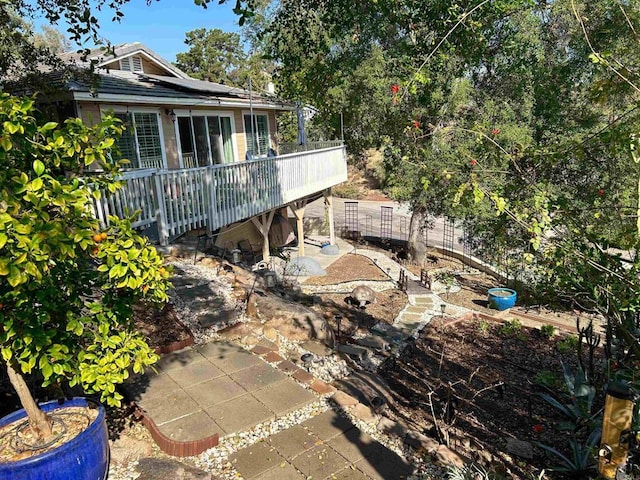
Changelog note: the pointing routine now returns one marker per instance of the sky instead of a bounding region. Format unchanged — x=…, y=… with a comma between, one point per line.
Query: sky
x=162, y=25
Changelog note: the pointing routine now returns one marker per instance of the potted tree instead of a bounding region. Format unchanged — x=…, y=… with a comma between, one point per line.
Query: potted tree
x=67, y=289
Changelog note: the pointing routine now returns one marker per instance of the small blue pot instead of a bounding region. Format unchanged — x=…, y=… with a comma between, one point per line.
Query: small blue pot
x=85, y=457
x=502, y=298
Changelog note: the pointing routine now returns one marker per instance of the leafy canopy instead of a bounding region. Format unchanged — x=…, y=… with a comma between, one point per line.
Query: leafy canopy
x=67, y=288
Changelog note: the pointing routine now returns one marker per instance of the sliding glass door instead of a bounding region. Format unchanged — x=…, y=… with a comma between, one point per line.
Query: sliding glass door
x=205, y=140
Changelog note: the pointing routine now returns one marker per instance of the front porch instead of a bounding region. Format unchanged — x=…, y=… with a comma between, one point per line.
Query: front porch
x=172, y=202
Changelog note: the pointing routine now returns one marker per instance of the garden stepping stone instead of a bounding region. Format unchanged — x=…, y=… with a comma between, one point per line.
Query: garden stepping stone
x=373, y=341
x=417, y=309
x=155, y=468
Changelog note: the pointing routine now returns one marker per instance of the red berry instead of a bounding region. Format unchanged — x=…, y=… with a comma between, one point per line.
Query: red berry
x=395, y=88
x=600, y=192
x=473, y=162
x=495, y=131
x=538, y=428
x=416, y=123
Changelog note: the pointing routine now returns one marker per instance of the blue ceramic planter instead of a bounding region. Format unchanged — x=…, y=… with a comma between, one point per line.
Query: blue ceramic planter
x=85, y=457
x=502, y=298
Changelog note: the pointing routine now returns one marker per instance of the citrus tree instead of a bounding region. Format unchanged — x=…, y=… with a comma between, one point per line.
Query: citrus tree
x=67, y=287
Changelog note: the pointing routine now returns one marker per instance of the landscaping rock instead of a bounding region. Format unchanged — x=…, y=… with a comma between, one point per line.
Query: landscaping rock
x=363, y=412
x=316, y=348
x=360, y=352
x=422, y=443
x=365, y=386
x=391, y=427
x=330, y=250
x=444, y=456
x=363, y=295
x=157, y=468
x=519, y=448
x=235, y=332
x=373, y=341
x=126, y=449
x=343, y=400
x=293, y=321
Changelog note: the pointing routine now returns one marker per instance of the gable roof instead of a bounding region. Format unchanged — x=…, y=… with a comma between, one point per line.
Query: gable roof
x=102, y=57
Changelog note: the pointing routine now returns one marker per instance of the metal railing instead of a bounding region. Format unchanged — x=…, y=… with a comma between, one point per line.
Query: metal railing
x=286, y=148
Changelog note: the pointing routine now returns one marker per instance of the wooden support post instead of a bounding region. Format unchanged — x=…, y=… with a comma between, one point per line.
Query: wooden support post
x=328, y=207
x=297, y=208
x=263, y=224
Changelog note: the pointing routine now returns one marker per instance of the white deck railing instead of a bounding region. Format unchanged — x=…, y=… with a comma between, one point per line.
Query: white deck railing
x=219, y=195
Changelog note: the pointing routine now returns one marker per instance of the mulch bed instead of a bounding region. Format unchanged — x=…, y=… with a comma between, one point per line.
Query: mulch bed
x=491, y=379
x=348, y=268
x=160, y=327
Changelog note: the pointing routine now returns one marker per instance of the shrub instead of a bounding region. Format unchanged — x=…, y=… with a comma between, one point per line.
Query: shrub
x=67, y=286
x=547, y=331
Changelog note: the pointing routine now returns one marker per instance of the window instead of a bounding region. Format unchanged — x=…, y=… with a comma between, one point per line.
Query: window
x=131, y=64
x=140, y=143
x=257, y=135
x=205, y=140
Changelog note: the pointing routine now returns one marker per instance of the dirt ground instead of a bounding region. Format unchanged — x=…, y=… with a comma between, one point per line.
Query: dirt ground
x=473, y=384
x=160, y=327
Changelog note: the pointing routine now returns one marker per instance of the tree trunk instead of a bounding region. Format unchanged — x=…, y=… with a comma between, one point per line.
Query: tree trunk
x=416, y=244
x=38, y=420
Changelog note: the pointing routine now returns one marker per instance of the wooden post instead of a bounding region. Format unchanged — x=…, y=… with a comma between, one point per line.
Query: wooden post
x=297, y=208
x=263, y=224
x=328, y=207
x=161, y=215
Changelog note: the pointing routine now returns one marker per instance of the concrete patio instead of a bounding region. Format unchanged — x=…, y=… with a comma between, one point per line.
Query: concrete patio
x=214, y=388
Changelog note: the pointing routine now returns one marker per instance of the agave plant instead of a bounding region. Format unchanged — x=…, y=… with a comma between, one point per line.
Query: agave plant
x=581, y=459
x=579, y=407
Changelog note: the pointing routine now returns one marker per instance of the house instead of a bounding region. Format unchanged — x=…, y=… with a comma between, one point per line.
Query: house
x=202, y=154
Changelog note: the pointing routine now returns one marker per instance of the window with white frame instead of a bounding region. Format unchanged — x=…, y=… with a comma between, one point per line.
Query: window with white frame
x=141, y=141
x=257, y=134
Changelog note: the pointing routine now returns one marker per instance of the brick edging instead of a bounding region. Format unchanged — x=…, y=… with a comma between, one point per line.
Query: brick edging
x=485, y=316
x=174, y=447
x=179, y=345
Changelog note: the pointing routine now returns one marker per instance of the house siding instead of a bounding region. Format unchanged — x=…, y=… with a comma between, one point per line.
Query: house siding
x=89, y=113
x=237, y=232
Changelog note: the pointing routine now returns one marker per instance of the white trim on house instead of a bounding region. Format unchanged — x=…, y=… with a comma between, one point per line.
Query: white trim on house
x=135, y=109
x=183, y=102
x=149, y=57
x=205, y=113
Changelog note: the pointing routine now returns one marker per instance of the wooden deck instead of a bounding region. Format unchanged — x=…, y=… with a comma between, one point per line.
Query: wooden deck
x=212, y=197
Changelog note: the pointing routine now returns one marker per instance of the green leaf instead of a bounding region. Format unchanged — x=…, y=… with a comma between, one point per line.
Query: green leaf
x=38, y=166
x=3, y=239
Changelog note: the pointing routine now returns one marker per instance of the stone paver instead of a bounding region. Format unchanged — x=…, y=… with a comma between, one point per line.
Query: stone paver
x=257, y=376
x=215, y=391
x=234, y=362
x=284, y=471
x=319, y=462
x=416, y=309
x=292, y=442
x=214, y=388
x=326, y=446
x=328, y=425
x=239, y=413
x=256, y=459
x=284, y=397
x=190, y=427
x=194, y=373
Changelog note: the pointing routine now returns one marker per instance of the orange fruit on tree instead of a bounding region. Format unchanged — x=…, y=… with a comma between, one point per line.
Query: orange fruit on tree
x=97, y=237
x=103, y=236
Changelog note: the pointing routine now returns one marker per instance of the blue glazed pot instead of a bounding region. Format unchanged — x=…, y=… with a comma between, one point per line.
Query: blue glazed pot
x=85, y=457
x=502, y=298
